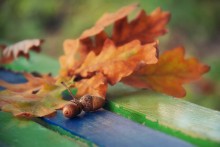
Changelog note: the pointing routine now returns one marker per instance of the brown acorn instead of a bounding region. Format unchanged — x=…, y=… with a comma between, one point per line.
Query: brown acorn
x=72, y=109
x=91, y=103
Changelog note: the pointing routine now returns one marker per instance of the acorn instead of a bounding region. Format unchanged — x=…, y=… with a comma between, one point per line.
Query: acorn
x=91, y=103
x=72, y=109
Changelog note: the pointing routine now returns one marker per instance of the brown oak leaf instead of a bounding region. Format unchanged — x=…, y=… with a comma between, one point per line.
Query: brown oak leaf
x=74, y=54
x=145, y=28
x=36, y=98
x=21, y=48
x=118, y=62
x=96, y=85
x=108, y=19
x=168, y=74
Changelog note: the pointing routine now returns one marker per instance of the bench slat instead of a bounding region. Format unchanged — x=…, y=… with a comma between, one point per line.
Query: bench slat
x=20, y=133
x=174, y=116
x=108, y=129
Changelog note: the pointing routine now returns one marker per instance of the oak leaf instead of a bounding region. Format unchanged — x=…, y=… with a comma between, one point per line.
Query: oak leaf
x=106, y=20
x=36, y=98
x=145, y=28
x=118, y=62
x=168, y=74
x=96, y=85
x=74, y=54
x=21, y=48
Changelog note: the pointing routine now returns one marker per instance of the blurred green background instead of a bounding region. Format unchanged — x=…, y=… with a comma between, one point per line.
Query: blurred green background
x=194, y=24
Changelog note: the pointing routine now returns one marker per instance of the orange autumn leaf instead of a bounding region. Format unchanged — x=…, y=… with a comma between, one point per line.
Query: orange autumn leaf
x=21, y=48
x=74, y=54
x=36, y=98
x=118, y=62
x=169, y=74
x=106, y=20
x=34, y=83
x=145, y=28
x=96, y=85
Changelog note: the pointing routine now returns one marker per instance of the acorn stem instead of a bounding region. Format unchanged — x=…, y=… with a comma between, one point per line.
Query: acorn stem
x=74, y=99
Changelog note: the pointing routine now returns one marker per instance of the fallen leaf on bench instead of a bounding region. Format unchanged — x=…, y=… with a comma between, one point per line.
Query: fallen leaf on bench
x=118, y=62
x=36, y=98
x=21, y=48
x=168, y=74
x=96, y=85
x=145, y=28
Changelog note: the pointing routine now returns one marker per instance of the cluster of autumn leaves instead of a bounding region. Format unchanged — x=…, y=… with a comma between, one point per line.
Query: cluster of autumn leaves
x=129, y=54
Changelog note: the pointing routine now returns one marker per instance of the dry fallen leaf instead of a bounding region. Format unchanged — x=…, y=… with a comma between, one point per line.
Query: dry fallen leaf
x=96, y=85
x=106, y=20
x=118, y=62
x=168, y=74
x=36, y=98
x=145, y=28
x=74, y=54
x=21, y=48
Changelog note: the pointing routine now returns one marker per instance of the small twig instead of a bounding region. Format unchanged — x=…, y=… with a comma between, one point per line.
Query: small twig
x=74, y=99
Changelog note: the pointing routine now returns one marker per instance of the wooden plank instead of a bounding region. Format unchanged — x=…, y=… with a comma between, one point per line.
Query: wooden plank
x=21, y=133
x=174, y=116
x=107, y=129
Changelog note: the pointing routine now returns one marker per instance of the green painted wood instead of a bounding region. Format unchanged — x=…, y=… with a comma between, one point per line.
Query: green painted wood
x=37, y=62
x=177, y=117
x=174, y=116
x=23, y=133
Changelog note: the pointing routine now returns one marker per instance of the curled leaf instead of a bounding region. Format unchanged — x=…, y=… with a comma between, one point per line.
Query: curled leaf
x=21, y=48
x=168, y=74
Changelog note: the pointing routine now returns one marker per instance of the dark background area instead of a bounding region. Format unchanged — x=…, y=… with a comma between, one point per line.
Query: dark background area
x=194, y=24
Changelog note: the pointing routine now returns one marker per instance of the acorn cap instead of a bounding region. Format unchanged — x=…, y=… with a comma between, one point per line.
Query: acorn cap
x=92, y=103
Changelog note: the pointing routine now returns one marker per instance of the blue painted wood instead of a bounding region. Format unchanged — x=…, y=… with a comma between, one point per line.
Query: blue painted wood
x=105, y=128
x=11, y=77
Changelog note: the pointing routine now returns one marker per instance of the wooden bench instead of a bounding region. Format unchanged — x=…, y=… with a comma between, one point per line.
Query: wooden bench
x=131, y=117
